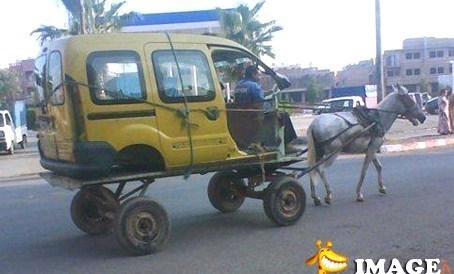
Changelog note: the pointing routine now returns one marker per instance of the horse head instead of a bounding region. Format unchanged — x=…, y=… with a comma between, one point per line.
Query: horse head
x=408, y=107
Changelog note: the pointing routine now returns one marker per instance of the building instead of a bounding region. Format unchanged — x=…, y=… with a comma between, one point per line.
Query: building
x=360, y=74
x=196, y=22
x=419, y=63
x=24, y=69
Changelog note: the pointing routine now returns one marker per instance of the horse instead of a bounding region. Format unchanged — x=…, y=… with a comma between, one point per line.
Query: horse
x=358, y=131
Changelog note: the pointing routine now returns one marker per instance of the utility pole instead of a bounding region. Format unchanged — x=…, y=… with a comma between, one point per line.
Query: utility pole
x=378, y=59
x=82, y=17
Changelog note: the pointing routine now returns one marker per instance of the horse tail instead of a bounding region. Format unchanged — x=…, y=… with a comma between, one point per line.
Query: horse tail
x=311, y=152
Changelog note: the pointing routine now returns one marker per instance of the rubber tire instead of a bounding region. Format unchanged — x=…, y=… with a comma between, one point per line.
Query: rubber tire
x=11, y=149
x=85, y=214
x=127, y=232
x=23, y=144
x=272, y=200
x=220, y=194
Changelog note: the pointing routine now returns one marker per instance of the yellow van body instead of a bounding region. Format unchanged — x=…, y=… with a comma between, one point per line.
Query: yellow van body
x=100, y=103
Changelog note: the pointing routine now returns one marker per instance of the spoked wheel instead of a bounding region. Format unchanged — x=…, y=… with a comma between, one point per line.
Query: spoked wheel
x=90, y=208
x=223, y=193
x=142, y=225
x=284, y=201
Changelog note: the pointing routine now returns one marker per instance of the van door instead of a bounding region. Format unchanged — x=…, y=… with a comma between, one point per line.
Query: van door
x=57, y=132
x=204, y=127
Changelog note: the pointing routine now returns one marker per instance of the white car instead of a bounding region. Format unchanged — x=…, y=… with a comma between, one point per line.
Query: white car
x=339, y=104
x=10, y=135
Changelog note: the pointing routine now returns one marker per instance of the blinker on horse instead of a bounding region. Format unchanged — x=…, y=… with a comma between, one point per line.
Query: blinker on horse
x=359, y=131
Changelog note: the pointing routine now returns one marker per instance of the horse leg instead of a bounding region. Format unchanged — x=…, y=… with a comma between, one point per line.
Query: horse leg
x=378, y=167
x=314, y=196
x=329, y=193
x=359, y=195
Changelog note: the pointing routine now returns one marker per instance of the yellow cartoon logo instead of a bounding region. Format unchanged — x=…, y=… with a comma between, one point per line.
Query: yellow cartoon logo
x=328, y=260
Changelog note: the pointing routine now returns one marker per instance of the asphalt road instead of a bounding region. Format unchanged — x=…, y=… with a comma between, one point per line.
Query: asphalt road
x=415, y=220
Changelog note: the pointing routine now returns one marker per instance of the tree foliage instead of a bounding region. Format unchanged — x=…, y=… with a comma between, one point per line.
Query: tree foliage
x=241, y=25
x=97, y=16
x=10, y=88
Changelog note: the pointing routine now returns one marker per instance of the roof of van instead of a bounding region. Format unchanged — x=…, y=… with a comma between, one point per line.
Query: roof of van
x=143, y=38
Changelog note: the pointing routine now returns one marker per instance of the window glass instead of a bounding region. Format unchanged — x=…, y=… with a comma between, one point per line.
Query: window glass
x=432, y=54
x=194, y=71
x=40, y=79
x=433, y=70
x=416, y=55
x=409, y=72
x=408, y=55
x=440, y=53
x=55, y=79
x=417, y=72
x=2, y=121
x=441, y=70
x=8, y=120
x=115, y=77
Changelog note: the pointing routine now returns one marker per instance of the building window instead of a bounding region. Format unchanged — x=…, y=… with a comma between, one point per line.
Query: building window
x=441, y=69
x=409, y=72
x=450, y=68
x=439, y=53
x=433, y=70
x=432, y=54
x=408, y=55
x=451, y=52
x=391, y=61
x=417, y=71
x=416, y=55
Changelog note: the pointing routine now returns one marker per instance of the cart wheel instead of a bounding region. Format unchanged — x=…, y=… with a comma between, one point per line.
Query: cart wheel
x=284, y=201
x=142, y=225
x=89, y=207
x=222, y=193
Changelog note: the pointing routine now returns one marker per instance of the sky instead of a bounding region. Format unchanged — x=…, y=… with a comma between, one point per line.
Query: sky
x=328, y=34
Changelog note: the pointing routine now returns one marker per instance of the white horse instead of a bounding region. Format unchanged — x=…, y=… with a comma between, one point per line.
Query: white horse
x=330, y=134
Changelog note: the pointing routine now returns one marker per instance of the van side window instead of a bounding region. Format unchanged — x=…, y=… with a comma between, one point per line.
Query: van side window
x=115, y=77
x=195, y=74
x=8, y=120
x=40, y=78
x=55, y=79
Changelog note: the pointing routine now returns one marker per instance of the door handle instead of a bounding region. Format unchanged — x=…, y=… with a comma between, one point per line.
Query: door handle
x=212, y=113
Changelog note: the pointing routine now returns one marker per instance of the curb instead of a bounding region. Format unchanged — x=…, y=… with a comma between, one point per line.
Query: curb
x=421, y=145
x=22, y=177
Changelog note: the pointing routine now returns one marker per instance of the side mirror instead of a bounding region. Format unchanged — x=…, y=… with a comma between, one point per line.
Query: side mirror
x=282, y=81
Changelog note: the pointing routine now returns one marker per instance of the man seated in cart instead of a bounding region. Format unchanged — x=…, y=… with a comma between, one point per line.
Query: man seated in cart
x=249, y=93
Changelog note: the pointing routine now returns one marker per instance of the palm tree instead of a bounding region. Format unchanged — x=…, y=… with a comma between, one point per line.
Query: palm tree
x=242, y=26
x=97, y=19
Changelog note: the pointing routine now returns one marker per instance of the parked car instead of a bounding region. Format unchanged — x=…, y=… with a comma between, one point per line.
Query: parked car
x=420, y=98
x=11, y=132
x=432, y=106
x=339, y=104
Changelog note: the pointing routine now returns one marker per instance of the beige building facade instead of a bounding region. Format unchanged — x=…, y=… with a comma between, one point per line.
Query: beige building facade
x=419, y=63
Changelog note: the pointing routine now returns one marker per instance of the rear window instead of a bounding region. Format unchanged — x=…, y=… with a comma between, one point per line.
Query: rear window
x=40, y=78
x=55, y=79
x=115, y=77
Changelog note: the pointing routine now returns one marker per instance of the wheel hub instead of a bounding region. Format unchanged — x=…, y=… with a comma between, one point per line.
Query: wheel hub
x=144, y=227
x=289, y=203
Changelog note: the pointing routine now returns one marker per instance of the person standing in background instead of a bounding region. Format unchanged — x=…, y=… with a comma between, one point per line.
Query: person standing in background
x=450, y=96
x=444, y=125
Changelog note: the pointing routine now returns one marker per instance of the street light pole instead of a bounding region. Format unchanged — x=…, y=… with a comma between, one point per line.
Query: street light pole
x=378, y=59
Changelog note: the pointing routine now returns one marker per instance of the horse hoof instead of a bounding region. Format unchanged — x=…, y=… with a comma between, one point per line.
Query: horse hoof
x=383, y=191
x=328, y=199
x=317, y=202
x=360, y=198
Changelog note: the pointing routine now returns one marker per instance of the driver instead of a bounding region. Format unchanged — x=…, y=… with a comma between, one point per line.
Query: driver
x=248, y=90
